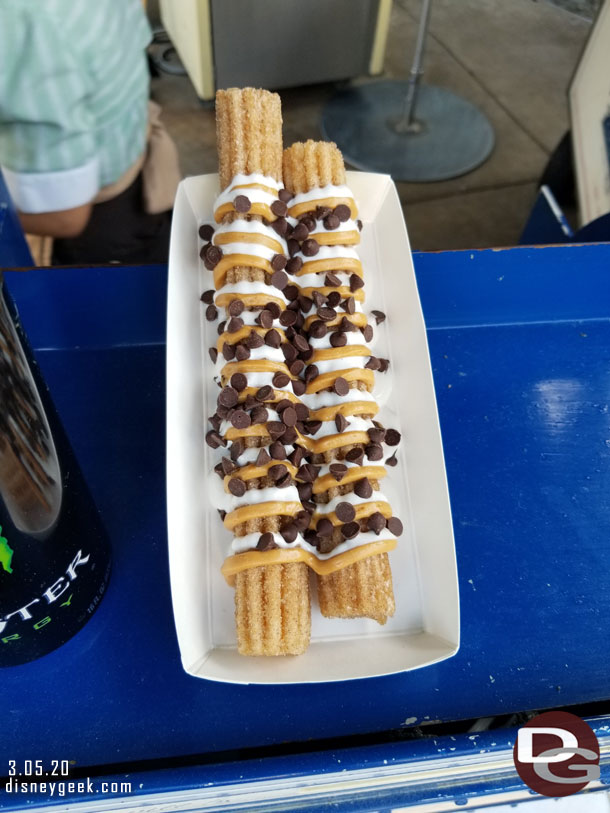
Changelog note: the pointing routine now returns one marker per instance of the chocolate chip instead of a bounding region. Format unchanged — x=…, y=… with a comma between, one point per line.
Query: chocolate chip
x=259, y=415
x=277, y=450
x=242, y=204
x=289, y=416
x=265, y=319
x=227, y=465
x=338, y=339
x=359, y=224
x=242, y=352
x=279, y=279
x=293, y=247
x=350, y=530
x=237, y=487
x=237, y=448
x=213, y=255
x=207, y=297
x=290, y=352
x=324, y=527
x=355, y=455
x=383, y=365
x=291, y=292
x=284, y=481
x=318, y=329
x=374, y=451
x=211, y=313
x=236, y=307
x=341, y=422
x=294, y=264
x=309, y=222
x=302, y=520
x=216, y=420
x=280, y=380
x=285, y=195
x=379, y=316
x=279, y=208
x=298, y=387
x=277, y=471
x=218, y=470
x=346, y=326
x=301, y=343
x=355, y=282
x=341, y=387
x=326, y=314
x=263, y=393
x=376, y=434
x=392, y=461
x=338, y=470
x=276, y=429
x=345, y=512
x=280, y=226
x=331, y=221
x=254, y=340
x=289, y=532
x=363, y=488
x=228, y=351
x=274, y=309
x=372, y=363
x=307, y=473
x=240, y=419
x=395, y=526
x=322, y=212
x=392, y=437
x=287, y=318
x=222, y=514
x=234, y=324
x=296, y=457
x=367, y=333
x=349, y=305
x=266, y=542
x=297, y=367
x=376, y=522
x=300, y=232
x=273, y=338
x=319, y=299
x=263, y=458
x=290, y=435
x=250, y=402
x=305, y=491
x=228, y=397
x=206, y=232
x=310, y=247
x=333, y=298
x=239, y=381
x=213, y=354
x=282, y=405
x=214, y=440
x=313, y=426
x=332, y=280
x=311, y=372
x=343, y=212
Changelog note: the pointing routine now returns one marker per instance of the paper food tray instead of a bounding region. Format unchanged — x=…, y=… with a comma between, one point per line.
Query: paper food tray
x=425, y=628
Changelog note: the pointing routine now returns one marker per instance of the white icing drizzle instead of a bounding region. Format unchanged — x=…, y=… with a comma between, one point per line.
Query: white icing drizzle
x=356, y=424
x=347, y=225
x=250, y=249
x=260, y=495
x=249, y=227
x=330, y=253
x=320, y=193
x=254, y=177
x=341, y=364
x=229, y=194
x=324, y=509
x=250, y=541
x=247, y=287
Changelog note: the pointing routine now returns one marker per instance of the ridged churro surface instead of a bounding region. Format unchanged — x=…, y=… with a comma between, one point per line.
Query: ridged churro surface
x=248, y=133
x=311, y=164
x=362, y=590
x=272, y=610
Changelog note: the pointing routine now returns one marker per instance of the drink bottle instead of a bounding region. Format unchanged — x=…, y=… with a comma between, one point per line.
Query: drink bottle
x=54, y=552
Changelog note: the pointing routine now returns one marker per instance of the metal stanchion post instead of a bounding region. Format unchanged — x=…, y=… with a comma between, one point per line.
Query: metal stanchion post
x=411, y=131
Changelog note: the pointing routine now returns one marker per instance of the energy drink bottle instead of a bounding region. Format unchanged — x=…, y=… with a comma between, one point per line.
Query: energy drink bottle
x=54, y=552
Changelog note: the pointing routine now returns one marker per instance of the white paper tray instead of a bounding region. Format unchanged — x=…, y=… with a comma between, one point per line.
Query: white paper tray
x=425, y=628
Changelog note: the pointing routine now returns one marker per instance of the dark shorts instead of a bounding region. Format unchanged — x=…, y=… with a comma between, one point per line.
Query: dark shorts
x=119, y=230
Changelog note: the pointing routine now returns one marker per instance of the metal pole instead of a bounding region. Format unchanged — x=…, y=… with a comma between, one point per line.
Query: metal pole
x=407, y=123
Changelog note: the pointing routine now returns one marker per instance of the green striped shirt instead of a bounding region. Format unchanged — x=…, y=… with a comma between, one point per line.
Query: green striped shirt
x=73, y=97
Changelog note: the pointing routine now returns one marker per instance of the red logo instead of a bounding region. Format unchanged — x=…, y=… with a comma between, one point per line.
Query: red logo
x=556, y=754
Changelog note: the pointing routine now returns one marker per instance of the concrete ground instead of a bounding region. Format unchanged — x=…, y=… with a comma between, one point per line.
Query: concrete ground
x=512, y=58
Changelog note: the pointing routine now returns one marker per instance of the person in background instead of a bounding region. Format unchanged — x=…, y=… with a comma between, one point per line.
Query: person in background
x=83, y=153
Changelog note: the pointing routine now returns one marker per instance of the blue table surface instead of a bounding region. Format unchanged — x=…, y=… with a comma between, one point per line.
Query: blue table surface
x=520, y=348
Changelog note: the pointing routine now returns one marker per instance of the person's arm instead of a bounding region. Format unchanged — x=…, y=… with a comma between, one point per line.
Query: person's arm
x=66, y=223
